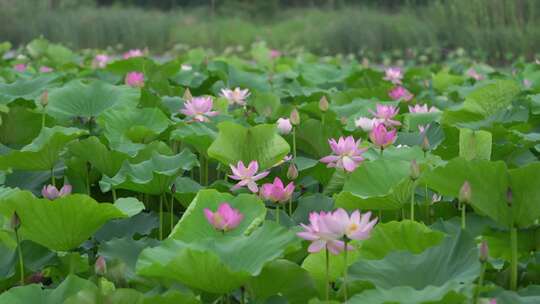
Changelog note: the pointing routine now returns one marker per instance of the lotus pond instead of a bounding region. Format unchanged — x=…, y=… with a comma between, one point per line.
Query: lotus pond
x=266, y=177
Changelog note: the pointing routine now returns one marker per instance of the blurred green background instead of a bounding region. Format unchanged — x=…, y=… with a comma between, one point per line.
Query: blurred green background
x=492, y=30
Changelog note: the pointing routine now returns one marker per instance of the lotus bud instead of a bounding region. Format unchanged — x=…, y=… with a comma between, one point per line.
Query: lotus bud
x=15, y=221
x=292, y=172
x=44, y=99
x=101, y=266
x=295, y=117
x=173, y=188
x=323, y=104
x=425, y=144
x=343, y=120
x=465, y=193
x=415, y=170
x=484, y=251
x=187, y=94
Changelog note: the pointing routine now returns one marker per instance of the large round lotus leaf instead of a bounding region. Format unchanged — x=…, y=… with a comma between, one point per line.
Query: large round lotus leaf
x=382, y=184
x=408, y=295
x=452, y=265
x=238, y=143
x=96, y=153
x=285, y=278
x=34, y=293
x=199, y=135
x=528, y=295
x=61, y=224
x=217, y=265
x=88, y=100
x=492, y=97
x=11, y=133
x=43, y=152
x=128, y=129
x=475, y=144
x=24, y=88
x=153, y=176
x=398, y=236
x=312, y=137
x=194, y=225
x=525, y=186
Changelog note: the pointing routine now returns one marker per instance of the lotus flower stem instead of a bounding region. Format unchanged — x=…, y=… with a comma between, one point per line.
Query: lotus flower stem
x=428, y=206
x=43, y=119
x=161, y=217
x=345, y=270
x=463, y=214
x=294, y=142
x=327, y=279
x=412, y=202
x=172, y=211
x=514, y=259
x=21, y=259
x=114, y=197
x=53, y=180
x=480, y=282
x=277, y=214
x=290, y=207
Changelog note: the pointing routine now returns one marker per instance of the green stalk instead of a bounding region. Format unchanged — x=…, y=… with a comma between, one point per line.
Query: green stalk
x=327, y=256
x=172, y=211
x=113, y=194
x=53, y=180
x=277, y=214
x=290, y=207
x=43, y=119
x=428, y=207
x=412, y=202
x=480, y=282
x=294, y=142
x=21, y=260
x=345, y=272
x=514, y=259
x=242, y=295
x=463, y=213
x=161, y=217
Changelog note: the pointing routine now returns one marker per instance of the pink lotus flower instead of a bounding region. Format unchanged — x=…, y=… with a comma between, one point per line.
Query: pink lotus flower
x=51, y=192
x=100, y=61
x=474, y=74
x=386, y=113
x=355, y=227
x=527, y=83
x=284, y=126
x=199, y=108
x=381, y=137
x=236, y=96
x=20, y=67
x=394, y=75
x=346, y=154
x=367, y=124
x=400, y=92
x=274, y=54
x=135, y=79
x=276, y=192
x=225, y=218
x=321, y=236
x=133, y=53
x=247, y=176
x=45, y=69
x=422, y=109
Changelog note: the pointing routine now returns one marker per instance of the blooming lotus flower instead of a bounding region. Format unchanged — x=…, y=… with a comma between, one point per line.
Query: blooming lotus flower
x=346, y=154
x=321, y=236
x=199, y=108
x=276, y=191
x=381, y=137
x=422, y=109
x=225, y=218
x=386, y=113
x=45, y=69
x=274, y=54
x=51, y=192
x=247, y=176
x=366, y=123
x=400, y=92
x=100, y=61
x=133, y=53
x=21, y=67
x=355, y=227
x=284, y=126
x=474, y=74
x=236, y=96
x=135, y=79
x=394, y=75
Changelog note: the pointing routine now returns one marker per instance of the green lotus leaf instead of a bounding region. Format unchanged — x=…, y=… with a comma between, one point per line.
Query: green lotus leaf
x=216, y=265
x=172, y=297
x=128, y=129
x=25, y=88
x=153, y=176
x=528, y=295
x=61, y=224
x=34, y=293
x=199, y=135
x=382, y=184
x=11, y=132
x=443, y=80
x=408, y=295
x=312, y=136
x=452, y=266
x=475, y=144
x=284, y=278
x=96, y=153
x=122, y=253
x=266, y=104
x=130, y=206
x=525, y=186
x=492, y=97
x=77, y=99
x=43, y=152
x=194, y=225
x=238, y=143
x=393, y=236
